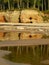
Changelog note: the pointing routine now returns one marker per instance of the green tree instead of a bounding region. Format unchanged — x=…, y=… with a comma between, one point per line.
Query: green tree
x=1, y=4
x=24, y=3
x=18, y=5
x=27, y=3
x=48, y=4
x=9, y=4
x=45, y=4
x=42, y=5
x=31, y=3
x=34, y=6
x=12, y=4
x=39, y=4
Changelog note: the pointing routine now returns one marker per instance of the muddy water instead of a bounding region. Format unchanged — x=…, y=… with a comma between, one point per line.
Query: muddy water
x=34, y=55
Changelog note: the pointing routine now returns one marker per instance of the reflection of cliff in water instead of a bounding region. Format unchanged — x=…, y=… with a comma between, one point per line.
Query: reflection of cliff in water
x=32, y=54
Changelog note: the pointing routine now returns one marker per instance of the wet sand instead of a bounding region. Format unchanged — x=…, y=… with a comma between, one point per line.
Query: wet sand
x=46, y=62
x=28, y=42
x=7, y=62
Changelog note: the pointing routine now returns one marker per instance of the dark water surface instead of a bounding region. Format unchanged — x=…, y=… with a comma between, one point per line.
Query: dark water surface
x=33, y=55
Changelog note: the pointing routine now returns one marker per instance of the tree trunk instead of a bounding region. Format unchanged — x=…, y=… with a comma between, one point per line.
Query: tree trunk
x=1, y=7
x=42, y=5
x=9, y=4
x=12, y=4
x=3, y=4
x=27, y=3
x=23, y=5
x=18, y=5
x=34, y=4
x=38, y=4
x=48, y=4
x=45, y=4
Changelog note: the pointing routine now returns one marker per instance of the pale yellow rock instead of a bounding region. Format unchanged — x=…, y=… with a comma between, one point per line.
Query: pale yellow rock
x=7, y=16
x=30, y=36
x=2, y=20
x=11, y=36
x=7, y=36
x=14, y=36
x=14, y=17
x=31, y=16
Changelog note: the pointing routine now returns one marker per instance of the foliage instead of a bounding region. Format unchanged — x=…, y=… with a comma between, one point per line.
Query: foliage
x=24, y=3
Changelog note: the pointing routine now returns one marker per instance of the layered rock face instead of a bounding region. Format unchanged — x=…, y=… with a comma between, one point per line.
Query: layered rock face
x=31, y=16
x=9, y=17
x=12, y=17
x=2, y=20
x=30, y=36
x=25, y=16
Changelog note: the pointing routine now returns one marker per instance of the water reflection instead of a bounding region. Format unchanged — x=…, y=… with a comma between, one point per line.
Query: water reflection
x=28, y=54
